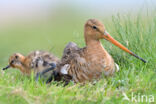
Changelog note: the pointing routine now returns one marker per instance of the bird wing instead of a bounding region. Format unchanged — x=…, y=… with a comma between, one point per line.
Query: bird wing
x=74, y=63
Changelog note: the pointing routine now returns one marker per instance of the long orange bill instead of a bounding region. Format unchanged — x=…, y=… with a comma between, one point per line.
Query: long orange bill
x=112, y=40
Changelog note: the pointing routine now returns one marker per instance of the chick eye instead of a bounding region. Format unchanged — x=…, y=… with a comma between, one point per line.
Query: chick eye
x=94, y=27
x=12, y=62
x=16, y=57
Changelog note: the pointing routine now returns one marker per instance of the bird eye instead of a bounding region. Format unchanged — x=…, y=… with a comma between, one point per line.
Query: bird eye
x=12, y=62
x=16, y=57
x=94, y=27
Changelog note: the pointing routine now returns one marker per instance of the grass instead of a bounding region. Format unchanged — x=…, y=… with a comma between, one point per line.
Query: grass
x=138, y=33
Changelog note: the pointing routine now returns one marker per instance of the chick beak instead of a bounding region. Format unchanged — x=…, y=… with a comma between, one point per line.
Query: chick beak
x=8, y=66
x=115, y=42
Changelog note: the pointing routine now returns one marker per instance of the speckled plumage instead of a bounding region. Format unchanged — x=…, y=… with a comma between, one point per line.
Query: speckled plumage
x=36, y=61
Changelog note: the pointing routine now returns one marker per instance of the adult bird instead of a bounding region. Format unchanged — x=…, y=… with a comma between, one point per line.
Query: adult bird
x=88, y=63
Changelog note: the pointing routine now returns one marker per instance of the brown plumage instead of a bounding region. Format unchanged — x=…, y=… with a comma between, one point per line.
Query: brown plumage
x=88, y=63
x=36, y=61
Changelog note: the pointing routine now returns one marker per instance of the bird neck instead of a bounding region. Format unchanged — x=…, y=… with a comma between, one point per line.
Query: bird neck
x=24, y=68
x=22, y=60
x=95, y=50
x=94, y=45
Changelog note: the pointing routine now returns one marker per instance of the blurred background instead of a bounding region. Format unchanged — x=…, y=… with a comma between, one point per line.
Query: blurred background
x=27, y=25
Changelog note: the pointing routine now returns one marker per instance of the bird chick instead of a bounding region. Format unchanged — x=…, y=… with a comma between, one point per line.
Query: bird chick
x=40, y=62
